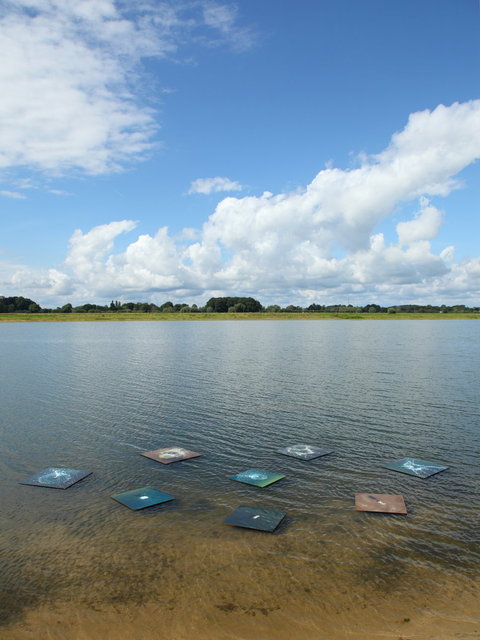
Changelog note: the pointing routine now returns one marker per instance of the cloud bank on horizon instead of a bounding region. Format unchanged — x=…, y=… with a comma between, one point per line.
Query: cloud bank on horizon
x=316, y=241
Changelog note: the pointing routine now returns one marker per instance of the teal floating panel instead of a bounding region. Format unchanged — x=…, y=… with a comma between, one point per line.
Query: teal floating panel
x=56, y=477
x=141, y=498
x=255, y=518
x=304, y=451
x=170, y=454
x=257, y=477
x=415, y=467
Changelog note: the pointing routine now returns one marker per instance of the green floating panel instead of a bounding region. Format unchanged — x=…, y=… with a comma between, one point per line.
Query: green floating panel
x=257, y=477
x=304, y=451
x=255, y=518
x=415, y=467
x=56, y=477
x=141, y=498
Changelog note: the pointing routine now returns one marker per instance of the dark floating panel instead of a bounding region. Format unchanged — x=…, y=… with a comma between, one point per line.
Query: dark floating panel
x=255, y=518
x=170, y=454
x=415, y=467
x=56, y=477
x=141, y=498
x=304, y=451
x=380, y=503
x=257, y=477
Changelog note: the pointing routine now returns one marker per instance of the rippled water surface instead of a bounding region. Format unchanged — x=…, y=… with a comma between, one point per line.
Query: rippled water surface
x=76, y=564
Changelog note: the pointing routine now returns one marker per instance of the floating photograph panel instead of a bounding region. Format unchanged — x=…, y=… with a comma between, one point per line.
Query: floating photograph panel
x=257, y=477
x=415, y=467
x=255, y=518
x=304, y=451
x=170, y=454
x=57, y=477
x=142, y=498
x=380, y=503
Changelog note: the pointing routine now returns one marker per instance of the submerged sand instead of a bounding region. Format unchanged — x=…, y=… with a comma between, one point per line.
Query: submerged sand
x=147, y=580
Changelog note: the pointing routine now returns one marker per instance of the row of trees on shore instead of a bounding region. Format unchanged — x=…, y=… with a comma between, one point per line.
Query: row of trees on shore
x=18, y=304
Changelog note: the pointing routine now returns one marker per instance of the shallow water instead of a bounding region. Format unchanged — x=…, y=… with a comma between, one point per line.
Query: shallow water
x=76, y=564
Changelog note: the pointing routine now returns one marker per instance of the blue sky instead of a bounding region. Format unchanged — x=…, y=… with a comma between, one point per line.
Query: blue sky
x=297, y=152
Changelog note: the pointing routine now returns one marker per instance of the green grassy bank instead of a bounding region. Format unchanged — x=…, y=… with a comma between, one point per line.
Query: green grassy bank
x=186, y=317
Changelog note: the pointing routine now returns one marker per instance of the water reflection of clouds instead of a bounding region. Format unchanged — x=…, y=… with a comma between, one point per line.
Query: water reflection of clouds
x=415, y=467
x=304, y=451
x=174, y=452
x=170, y=454
x=257, y=477
x=57, y=477
x=53, y=475
x=301, y=449
x=252, y=475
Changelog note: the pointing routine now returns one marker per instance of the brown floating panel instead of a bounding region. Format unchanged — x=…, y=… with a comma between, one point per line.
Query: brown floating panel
x=380, y=503
x=170, y=454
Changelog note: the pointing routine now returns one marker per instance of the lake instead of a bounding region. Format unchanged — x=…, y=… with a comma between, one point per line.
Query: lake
x=78, y=565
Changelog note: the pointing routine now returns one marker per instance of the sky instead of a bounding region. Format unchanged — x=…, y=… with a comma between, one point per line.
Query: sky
x=312, y=151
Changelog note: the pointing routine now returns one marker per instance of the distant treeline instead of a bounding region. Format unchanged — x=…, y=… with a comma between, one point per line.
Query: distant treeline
x=222, y=305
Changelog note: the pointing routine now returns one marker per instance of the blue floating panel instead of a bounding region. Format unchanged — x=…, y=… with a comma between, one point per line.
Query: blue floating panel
x=141, y=498
x=415, y=467
x=257, y=477
x=304, y=451
x=255, y=518
x=56, y=477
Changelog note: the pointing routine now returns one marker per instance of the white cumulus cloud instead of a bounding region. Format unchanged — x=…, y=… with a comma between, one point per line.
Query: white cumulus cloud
x=321, y=242
x=16, y=195
x=69, y=73
x=424, y=226
x=207, y=186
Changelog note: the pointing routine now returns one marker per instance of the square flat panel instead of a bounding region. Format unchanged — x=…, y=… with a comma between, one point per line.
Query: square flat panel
x=380, y=503
x=415, y=467
x=304, y=451
x=57, y=477
x=257, y=477
x=141, y=498
x=255, y=518
x=171, y=454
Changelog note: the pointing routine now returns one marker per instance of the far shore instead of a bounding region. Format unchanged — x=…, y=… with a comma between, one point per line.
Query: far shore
x=259, y=316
